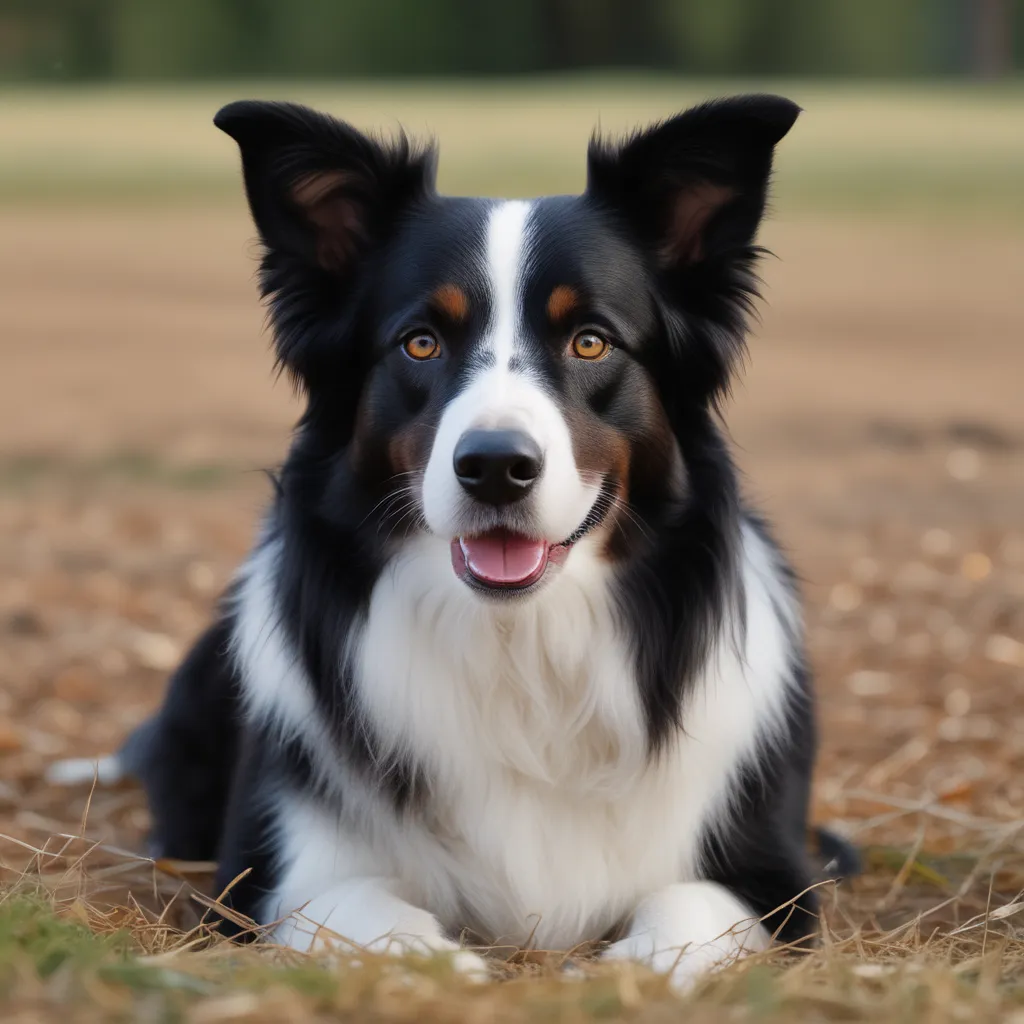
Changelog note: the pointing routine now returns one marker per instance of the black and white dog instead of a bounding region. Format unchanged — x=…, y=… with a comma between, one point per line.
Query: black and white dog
x=510, y=659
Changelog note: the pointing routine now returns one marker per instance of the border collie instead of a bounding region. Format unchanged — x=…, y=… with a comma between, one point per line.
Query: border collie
x=510, y=660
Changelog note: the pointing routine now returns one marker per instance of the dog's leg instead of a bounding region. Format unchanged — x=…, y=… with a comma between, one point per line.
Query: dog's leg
x=365, y=914
x=688, y=929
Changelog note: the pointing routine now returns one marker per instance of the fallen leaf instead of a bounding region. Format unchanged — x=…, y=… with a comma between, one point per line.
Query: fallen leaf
x=958, y=791
x=10, y=738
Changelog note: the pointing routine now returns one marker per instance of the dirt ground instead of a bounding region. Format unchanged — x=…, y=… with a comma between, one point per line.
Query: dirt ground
x=881, y=424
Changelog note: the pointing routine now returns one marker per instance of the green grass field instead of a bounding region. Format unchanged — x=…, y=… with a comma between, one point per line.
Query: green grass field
x=929, y=148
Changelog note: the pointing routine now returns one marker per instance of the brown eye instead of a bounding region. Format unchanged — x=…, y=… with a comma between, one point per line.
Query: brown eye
x=422, y=346
x=590, y=346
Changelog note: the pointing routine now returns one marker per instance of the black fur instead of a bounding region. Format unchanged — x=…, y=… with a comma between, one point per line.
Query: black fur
x=185, y=756
x=660, y=248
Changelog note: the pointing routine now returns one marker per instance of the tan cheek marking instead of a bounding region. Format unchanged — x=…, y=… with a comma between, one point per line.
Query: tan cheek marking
x=601, y=451
x=597, y=448
x=617, y=452
x=405, y=450
x=451, y=300
x=562, y=301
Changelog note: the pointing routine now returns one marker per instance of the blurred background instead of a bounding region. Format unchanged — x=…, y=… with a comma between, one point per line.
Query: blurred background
x=147, y=40
x=880, y=420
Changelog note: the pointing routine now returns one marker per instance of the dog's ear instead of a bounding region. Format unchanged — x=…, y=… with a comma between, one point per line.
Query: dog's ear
x=318, y=189
x=694, y=187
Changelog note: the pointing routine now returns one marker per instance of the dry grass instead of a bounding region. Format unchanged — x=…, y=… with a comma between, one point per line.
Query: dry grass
x=104, y=935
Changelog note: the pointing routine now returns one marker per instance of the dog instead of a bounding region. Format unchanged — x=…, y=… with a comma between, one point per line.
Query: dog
x=511, y=660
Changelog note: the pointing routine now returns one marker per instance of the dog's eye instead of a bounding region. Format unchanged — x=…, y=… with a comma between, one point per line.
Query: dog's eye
x=422, y=346
x=590, y=346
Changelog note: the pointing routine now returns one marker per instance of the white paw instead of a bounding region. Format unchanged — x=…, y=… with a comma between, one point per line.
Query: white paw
x=683, y=966
x=471, y=966
x=688, y=929
x=363, y=915
x=465, y=962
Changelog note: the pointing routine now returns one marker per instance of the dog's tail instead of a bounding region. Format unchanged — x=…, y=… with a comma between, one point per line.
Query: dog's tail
x=838, y=857
x=111, y=770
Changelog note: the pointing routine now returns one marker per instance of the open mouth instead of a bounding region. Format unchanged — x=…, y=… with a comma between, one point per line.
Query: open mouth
x=503, y=560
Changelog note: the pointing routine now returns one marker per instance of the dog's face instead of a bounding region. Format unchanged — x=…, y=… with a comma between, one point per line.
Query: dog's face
x=507, y=387
x=508, y=376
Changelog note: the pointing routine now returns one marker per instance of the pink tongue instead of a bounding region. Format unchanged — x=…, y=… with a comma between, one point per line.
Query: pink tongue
x=503, y=557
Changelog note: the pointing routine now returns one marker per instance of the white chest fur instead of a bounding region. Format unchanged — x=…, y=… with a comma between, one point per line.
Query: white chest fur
x=545, y=819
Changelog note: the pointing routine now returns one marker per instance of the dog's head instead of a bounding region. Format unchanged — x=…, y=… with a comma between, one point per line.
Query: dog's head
x=509, y=377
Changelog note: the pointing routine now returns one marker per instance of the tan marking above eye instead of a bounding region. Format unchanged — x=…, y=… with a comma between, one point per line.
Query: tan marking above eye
x=451, y=300
x=562, y=301
x=590, y=346
x=422, y=346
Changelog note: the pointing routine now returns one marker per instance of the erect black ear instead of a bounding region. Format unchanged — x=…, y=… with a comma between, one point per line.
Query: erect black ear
x=318, y=189
x=694, y=186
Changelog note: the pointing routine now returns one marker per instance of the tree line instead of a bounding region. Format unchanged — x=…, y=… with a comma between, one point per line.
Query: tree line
x=74, y=40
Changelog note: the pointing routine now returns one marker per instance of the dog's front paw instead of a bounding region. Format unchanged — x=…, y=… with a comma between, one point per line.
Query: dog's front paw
x=683, y=966
x=689, y=929
x=465, y=962
x=364, y=915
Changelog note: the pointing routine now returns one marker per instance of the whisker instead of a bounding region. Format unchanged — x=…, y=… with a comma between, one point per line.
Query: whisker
x=390, y=497
x=633, y=516
x=396, y=514
x=411, y=507
x=398, y=511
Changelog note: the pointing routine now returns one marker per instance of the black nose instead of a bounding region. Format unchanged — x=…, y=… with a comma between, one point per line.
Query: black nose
x=497, y=466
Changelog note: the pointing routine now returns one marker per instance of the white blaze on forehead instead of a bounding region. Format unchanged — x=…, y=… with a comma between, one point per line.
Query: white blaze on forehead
x=507, y=235
x=495, y=396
